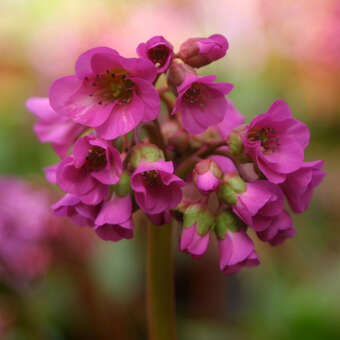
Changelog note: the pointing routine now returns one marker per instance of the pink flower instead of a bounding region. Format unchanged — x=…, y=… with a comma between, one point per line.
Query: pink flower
x=202, y=102
x=156, y=188
x=80, y=213
x=236, y=251
x=192, y=242
x=198, y=52
x=53, y=127
x=299, y=185
x=259, y=204
x=207, y=175
x=232, y=119
x=276, y=142
x=114, y=221
x=87, y=172
x=161, y=218
x=158, y=50
x=109, y=92
x=280, y=229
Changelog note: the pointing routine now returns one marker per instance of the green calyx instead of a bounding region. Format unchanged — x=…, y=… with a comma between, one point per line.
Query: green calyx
x=123, y=188
x=235, y=143
x=230, y=187
x=200, y=215
x=224, y=222
x=145, y=152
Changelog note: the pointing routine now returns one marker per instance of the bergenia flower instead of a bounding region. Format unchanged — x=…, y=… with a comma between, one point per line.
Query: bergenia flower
x=192, y=242
x=236, y=251
x=108, y=92
x=80, y=213
x=201, y=102
x=156, y=187
x=52, y=127
x=299, y=185
x=260, y=204
x=114, y=221
x=279, y=230
x=276, y=142
x=158, y=50
x=207, y=175
x=86, y=173
x=198, y=52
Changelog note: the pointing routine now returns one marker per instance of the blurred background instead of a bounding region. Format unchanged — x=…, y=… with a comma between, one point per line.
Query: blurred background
x=67, y=284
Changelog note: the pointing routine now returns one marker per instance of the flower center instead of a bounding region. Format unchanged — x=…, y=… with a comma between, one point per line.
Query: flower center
x=193, y=94
x=110, y=86
x=96, y=159
x=267, y=137
x=159, y=55
x=151, y=178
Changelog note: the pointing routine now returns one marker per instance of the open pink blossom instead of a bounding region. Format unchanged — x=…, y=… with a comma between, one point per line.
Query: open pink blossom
x=87, y=172
x=201, y=102
x=299, y=185
x=108, y=92
x=198, y=52
x=52, y=127
x=156, y=187
x=80, y=213
x=279, y=230
x=232, y=119
x=158, y=50
x=260, y=204
x=236, y=251
x=192, y=242
x=114, y=221
x=276, y=142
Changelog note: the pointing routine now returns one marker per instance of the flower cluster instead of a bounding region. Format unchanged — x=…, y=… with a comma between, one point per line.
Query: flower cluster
x=193, y=159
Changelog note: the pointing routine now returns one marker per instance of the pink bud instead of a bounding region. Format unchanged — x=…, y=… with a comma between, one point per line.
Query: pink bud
x=207, y=175
x=177, y=73
x=198, y=52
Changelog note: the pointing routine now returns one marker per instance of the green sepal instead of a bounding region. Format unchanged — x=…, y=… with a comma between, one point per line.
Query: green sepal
x=198, y=214
x=145, y=152
x=123, y=188
x=235, y=143
x=224, y=222
x=227, y=194
x=237, y=184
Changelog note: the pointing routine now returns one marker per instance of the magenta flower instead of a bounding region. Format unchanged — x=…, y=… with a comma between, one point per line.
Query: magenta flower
x=192, y=242
x=207, y=175
x=280, y=229
x=108, y=92
x=114, y=221
x=87, y=172
x=201, y=102
x=299, y=185
x=158, y=50
x=236, y=251
x=198, y=52
x=276, y=141
x=259, y=204
x=161, y=218
x=156, y=187
x=232, y=119
x=53, y=127
x=80, y=213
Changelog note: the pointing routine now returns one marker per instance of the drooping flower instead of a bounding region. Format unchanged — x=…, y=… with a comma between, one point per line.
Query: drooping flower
x=108, y=92
x=201, y=102
x=276, y=142
x=114, y=221
x=156, y=187
x=87, y=172
x=198, y=52
x=72, y=207
x=52, y=127
x=279, y=230
x=207, y=175
x=197, y=222
x=299, y=185
x=236, y=247
x=158, y=50
x=161, y=218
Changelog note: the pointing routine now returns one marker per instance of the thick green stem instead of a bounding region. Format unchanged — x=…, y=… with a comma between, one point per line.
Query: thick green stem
x=160, y=284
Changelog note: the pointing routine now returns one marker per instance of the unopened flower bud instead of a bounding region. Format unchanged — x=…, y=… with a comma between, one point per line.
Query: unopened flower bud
x=231, y=185
x=198, y=52
x=177, y=73
x=200, y=215
x=145, y=152
x=123, y=188
x=207, y=175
